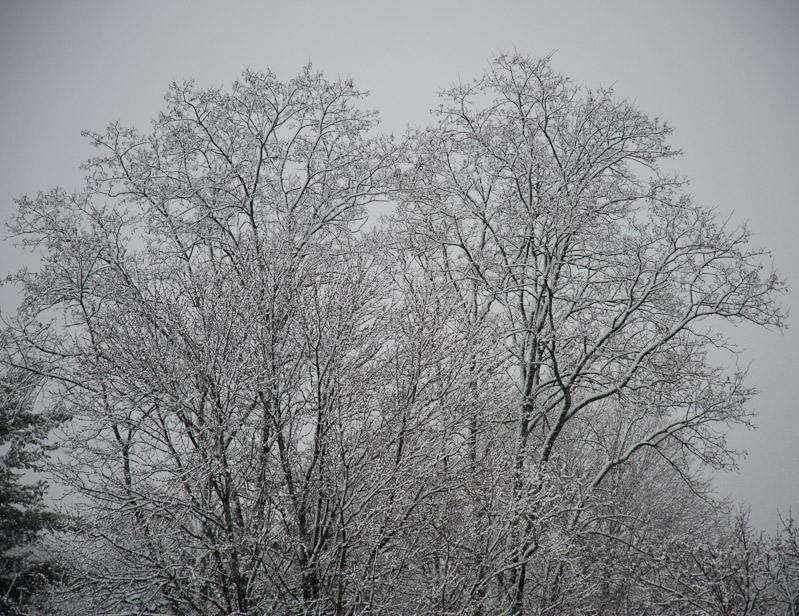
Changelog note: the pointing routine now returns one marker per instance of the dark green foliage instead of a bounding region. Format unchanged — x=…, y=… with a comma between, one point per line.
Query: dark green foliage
x=23, y=515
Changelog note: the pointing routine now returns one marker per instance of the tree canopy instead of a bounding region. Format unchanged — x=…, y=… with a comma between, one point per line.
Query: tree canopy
x=498, y=399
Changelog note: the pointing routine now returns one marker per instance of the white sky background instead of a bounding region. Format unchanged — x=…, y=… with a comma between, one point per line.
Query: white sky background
x=724, y=74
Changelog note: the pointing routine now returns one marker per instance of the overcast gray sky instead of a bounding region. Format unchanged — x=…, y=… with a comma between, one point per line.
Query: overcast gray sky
x=724, y=74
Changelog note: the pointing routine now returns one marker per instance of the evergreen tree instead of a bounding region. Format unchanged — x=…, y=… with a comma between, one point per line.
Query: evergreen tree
x=23, y=514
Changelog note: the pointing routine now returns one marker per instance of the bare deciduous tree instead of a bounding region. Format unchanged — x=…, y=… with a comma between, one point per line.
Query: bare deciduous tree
x=471, y=409
x=215, y=332
x=544, y=205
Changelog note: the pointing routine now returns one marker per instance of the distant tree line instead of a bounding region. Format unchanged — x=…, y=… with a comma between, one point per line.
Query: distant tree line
x=500, y=398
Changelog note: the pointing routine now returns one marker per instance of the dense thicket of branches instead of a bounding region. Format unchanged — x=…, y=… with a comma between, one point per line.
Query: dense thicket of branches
x=499, y=400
